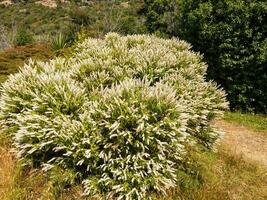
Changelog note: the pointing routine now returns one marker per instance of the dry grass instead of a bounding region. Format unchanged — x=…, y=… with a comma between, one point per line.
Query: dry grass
x=225, y=176
x=18, y=183
x=7, y=166
x=15, y=57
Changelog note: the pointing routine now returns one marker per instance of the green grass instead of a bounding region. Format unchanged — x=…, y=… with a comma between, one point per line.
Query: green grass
x=255, y=121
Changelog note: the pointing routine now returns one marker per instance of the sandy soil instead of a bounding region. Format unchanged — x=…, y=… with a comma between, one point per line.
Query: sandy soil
x=242, y=140
x=48, y=3
x=6, y=2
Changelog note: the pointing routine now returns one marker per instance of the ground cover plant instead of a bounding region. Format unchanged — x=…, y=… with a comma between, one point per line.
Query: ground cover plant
x=123, y=115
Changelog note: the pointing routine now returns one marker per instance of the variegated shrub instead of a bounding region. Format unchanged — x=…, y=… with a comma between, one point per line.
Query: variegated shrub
x=121, y=113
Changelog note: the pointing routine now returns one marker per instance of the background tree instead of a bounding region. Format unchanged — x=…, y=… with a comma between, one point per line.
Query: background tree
x=232, y=36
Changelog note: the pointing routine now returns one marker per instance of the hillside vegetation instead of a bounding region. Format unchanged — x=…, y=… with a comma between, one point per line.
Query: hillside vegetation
x=45, y=31
x=97, y=17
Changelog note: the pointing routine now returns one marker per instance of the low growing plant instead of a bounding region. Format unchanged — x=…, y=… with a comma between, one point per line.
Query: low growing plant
x=122, y=114
x=59, y=42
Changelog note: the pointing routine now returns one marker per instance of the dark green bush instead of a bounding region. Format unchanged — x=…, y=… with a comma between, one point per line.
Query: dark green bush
x=80, y=16
x=23, y=37
x=232, y=36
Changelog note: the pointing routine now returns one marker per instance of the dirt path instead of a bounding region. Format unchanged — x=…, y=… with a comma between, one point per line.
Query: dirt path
x=242, y=140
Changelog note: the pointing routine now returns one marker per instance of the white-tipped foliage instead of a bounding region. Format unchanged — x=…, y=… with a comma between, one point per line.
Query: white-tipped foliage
x=120, y=113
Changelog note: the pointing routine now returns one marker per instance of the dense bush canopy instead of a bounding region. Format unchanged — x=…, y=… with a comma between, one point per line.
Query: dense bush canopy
x=232, y=34
x=123, y=114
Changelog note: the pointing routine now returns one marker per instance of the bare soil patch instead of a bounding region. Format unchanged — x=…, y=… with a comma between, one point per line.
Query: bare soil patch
x=242, y=140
